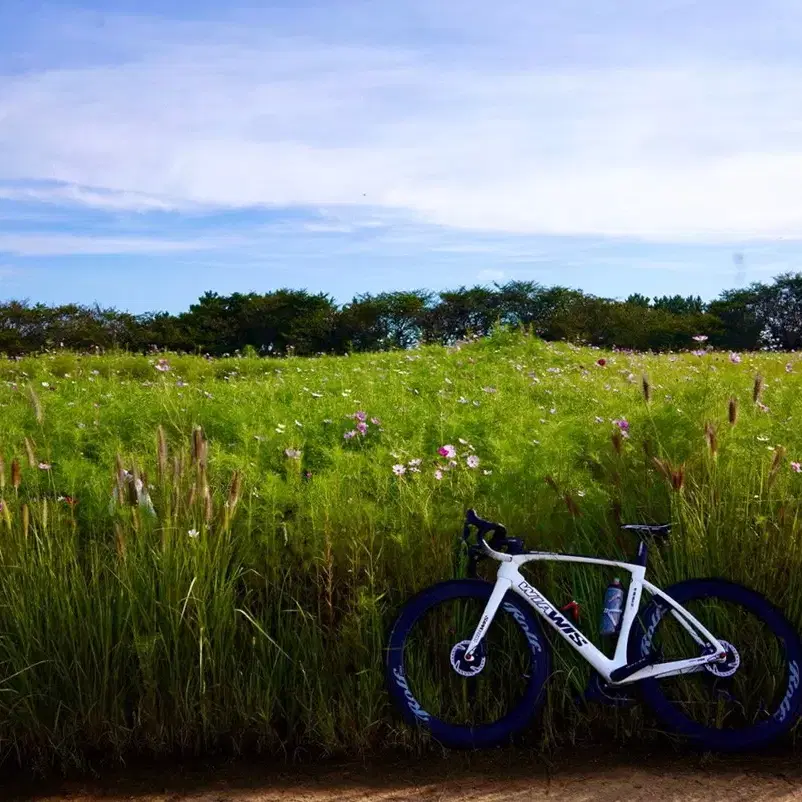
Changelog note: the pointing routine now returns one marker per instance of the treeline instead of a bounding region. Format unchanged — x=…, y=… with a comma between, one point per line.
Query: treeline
x=300, y=322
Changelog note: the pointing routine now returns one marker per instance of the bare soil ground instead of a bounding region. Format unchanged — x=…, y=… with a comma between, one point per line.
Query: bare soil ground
x=579, y=777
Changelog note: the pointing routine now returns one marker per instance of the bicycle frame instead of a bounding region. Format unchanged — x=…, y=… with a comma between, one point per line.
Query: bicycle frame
x=509, y=578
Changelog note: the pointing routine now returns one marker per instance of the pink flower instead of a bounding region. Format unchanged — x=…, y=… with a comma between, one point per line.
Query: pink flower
x=735, y=358
x=447, y=451
x=361, y=416
x=700, y=338
x=44, y=466
x=375, y=421
x=796, y=467
x=601, y=362
x=622, y=424
x=438, y=474
x=362, y=427
x=698, y=353
x=349, y=435
x=472, y=461
x=162, y=365
x=399, y=470
x=762, y=406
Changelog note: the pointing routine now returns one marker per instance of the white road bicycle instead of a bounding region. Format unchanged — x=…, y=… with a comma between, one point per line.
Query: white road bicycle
x=467, y=659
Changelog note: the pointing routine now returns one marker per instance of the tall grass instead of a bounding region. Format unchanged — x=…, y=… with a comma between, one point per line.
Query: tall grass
x=199, y=559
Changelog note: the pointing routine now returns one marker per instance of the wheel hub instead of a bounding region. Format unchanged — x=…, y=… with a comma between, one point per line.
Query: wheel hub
x=728, y=665
x=467, y=666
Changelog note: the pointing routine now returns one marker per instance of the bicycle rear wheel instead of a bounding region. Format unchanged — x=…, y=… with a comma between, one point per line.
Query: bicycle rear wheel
x=466, y=704
x=745, y=702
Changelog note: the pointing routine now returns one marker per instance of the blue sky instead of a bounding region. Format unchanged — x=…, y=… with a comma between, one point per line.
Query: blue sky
x=150, y=151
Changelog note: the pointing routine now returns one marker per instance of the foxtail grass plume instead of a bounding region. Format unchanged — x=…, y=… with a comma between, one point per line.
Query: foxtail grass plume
x=36, y=404
x=647, y=389
x=161, y=450
x=712, y=439
x=208, y=507
x=2, y=473
x=674, y=476
x=618, y=442
x=572, y=506
x=199, y=447
x=732, y=411
x=16, y=474
x=119, y=537
x=757, y=389
x=234, y=490
x=30, y=452
x=779, y=455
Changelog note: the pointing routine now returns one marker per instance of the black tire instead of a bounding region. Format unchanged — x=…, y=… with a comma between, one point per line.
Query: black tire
x=409, y=694
x=778, y=670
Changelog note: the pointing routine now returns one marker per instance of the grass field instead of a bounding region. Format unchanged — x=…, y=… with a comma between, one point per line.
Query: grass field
x=202, y=555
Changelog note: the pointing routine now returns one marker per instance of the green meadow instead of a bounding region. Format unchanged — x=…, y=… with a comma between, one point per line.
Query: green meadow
x=205, y=555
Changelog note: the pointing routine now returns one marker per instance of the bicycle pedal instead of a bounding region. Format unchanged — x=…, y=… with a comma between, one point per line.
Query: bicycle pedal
x=599, y=691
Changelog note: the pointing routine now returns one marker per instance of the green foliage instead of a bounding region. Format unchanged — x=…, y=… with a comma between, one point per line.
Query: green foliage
x=303, y=324
x=239, y=597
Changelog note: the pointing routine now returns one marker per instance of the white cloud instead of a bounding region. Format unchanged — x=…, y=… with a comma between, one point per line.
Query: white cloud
x=47, y=244
x=227, y=117
x=92, y=197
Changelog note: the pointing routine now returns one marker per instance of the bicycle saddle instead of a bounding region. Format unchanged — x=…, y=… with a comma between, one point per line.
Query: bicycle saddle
x=658, y=530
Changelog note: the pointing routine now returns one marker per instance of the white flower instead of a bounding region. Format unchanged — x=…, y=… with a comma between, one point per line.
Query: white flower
x=193, y=533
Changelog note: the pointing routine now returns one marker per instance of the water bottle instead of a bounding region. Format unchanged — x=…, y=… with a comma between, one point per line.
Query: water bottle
x=613, y=605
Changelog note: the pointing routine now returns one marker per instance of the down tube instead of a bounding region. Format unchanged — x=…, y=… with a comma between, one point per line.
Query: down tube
x=562, y=626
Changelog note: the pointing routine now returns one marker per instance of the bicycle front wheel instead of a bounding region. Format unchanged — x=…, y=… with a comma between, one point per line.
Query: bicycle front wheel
x=466, y=704
x=751, y=698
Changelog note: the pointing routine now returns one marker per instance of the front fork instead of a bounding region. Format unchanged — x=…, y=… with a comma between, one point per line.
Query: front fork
x=493, y=603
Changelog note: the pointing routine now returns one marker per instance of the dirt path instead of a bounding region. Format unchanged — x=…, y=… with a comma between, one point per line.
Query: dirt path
x=512, y=779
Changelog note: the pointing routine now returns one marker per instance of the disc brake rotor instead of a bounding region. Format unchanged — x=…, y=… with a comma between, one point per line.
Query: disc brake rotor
x=467, y=667
x=728, y=666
